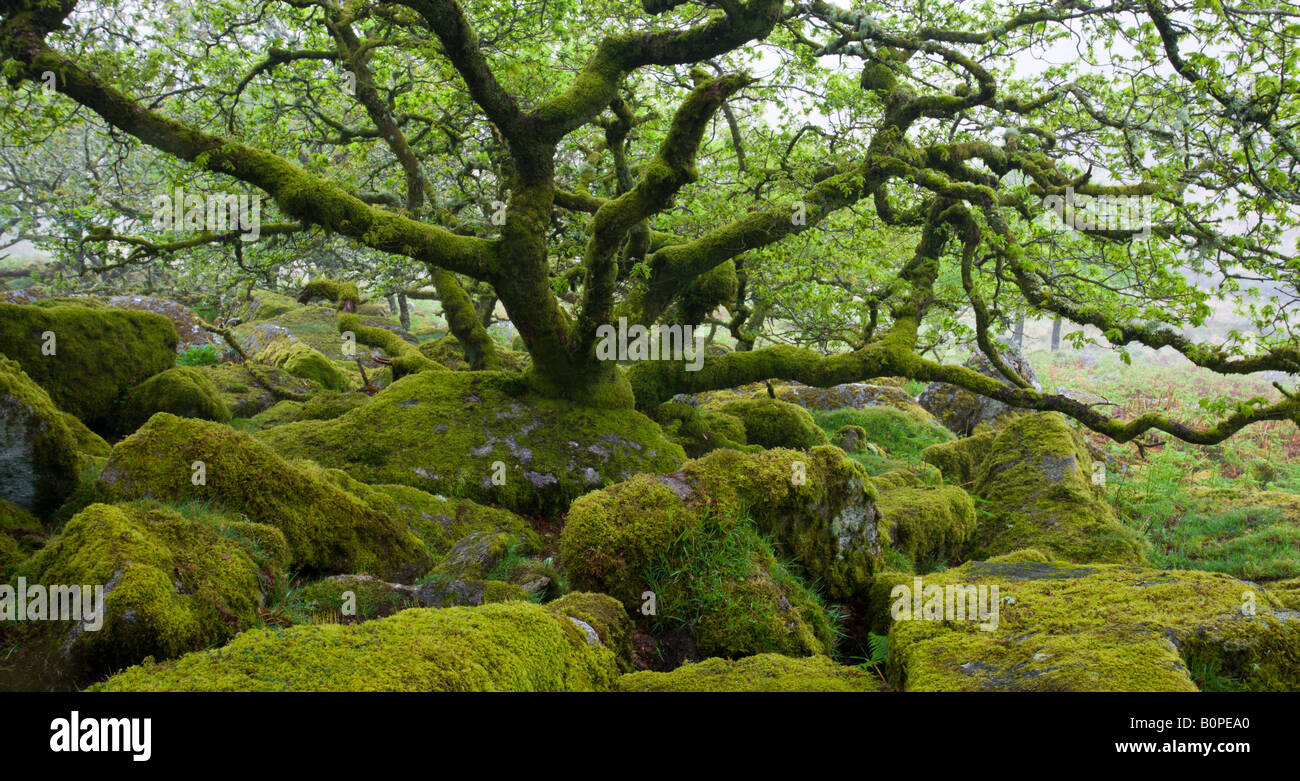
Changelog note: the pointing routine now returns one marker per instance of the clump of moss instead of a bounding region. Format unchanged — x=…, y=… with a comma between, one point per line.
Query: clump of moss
x=959, y=460
x=173, y=582
x=441, y=522
x=344, y=294
x=183, y=391
x=1036, y=483
x=850, y=438
x=761, y=673
x=264, y=305
x=710, y=572
x=819, y=506
x=773, y=423
x=97, y=354
x=701, y=431
x=19, y=530
x=301, y=360
x=510, y=646
x=448, y=352
x=250, y=388
x=329, y=530
x=38, y=453
x=1097, y=627
x=495, y=443
x=322, y=406
x=929, y=524
x=89, y=444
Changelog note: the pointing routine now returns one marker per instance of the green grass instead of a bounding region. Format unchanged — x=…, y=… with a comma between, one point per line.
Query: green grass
x=1160, y=492
x=899, y=436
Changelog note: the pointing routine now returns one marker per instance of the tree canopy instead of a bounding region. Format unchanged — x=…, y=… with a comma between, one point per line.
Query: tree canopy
x=850, y=183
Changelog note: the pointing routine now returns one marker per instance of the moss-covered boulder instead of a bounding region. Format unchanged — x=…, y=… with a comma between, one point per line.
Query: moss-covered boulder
x=853, y=395
x=962, y=411
x=249, y=388
x=439, y=521
x=319, y=327
x=322, y=406
x=819, y=506
x=480, y=435
x=38, y=452
x=510, y=646
x=189, y=329
x=1036, y=483
x=174, y=580
x=704, y=569
x=329, y=529
x=97, y=354
x=773, y=423
x=761, y=673
x=351, y=599
x=850, y=438
x=89, y=444
x=183, y=391
x=701, y=431
x=959, y=460
x=1070, y=627
x=928, y=524
x=264, y=305
x=301, y=360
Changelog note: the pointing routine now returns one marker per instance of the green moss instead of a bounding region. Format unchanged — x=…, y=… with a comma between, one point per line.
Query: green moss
x=448, y=352
x=819, y=506
x=322, y=406
x=38, y=453
x=726, y=584
x=328, y=529
x=441, y=522
x=264, y=305
x=959, y=460
x=98, y=354
x=19, y=531
x=701, y=431
x=512, y=646
x=172, y=584
x=1022, y=555
x=88, y=442
x=1098, y=627
x=850, y=438
x=761, y=673
x=344, y=294
x=301, y=360
x=444, y=431
x=1036, y=483
x=183, y=391
x=246, y=393
x=773, y=423
x=929, y=524
x=612, y=537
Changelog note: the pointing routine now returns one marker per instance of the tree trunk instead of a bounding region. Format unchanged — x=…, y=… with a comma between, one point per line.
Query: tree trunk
x=1056, y=333
x=403, y=310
